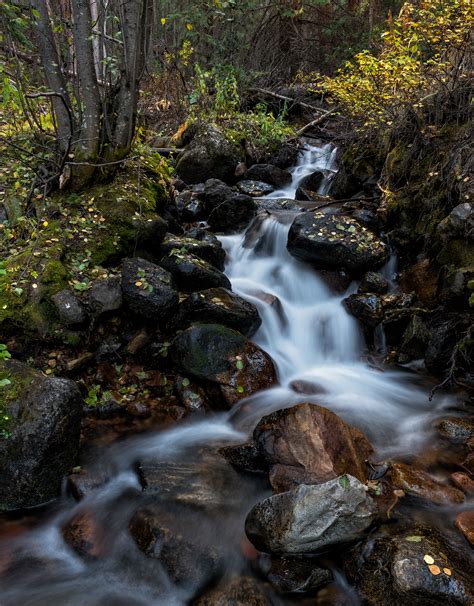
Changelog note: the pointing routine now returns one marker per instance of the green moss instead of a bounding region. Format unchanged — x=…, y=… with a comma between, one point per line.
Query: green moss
x=457, y=253
x=15, y=384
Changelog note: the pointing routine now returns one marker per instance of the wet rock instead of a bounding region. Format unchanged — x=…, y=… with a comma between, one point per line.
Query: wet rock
x=70, y=310
x=307, y=387
x=148, y=289
x=193, y=273
x=338, y=281
x=268, y=205
x=41, y=422
x=311, y=518
x=208, y=249
x=215, y=192
x=308, y=444
x=456, y=429
x=456, y=285
x=256, y=189
x=458, y=224
x=219, y=306
x=190, y=207
x=335, y=242
x=398, y=311
x=245, y=456
x=465, y=523
x=393, y=570
x=463, y=482
x=225, y=357
x=83, y=483
x=191, y=395
x=422, y=278
x=85, y=535
x=373, y=282
x=366, y=308
x=295, y=575
x=240, y=591
x=415, y=338
x=306, y=195
x=105, y=295
x=269, y=174
x=366, y=217
x=186, y=562
x=312, y=181
x=208, y=155
x=420, y=484
x=233, y=215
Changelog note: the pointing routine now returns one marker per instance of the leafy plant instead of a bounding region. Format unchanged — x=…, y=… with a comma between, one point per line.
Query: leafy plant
x=4, y=353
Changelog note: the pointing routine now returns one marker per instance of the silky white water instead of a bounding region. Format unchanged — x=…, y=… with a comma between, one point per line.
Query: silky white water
x=311, y=339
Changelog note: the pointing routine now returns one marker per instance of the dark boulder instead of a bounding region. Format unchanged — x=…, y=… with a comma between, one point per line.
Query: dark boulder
x=256, y=189
x=215, y=192
x=193, y=273
x=190, y=207
x=208, y=249
x=330, y=241
x=210, y=154
x=238, y=591
x=373, y=282
x=312, y=182
x=268, y=173
x=457, y=430
x=295, y=575
x=447, y=329
x=39, y=439
x=70, y=310
x=105, y=296
x=366, y=308
x=415, y=339
x=245, y=456
x=148, y=289
x=223, y=356
x=308, y=444
x=415, y=568
x=219, y=306
x=309, y=519
x=233, y=215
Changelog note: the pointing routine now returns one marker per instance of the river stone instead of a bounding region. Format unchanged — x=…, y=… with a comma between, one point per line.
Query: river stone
x=193, y=273
x=105, y=295
x=232, y=215
x=308, y=444
x=295, y=575
x=330, y=241
x=311, y=518
x=268, y=173
x=389, y=571
x=239, y=591
x=209, y=250
x=210, y=154
x=373, y=282
x=256, y=189
x=366, y=308
x=189, y=206
x=225, y=357
x=420, y=484
x=70, y=310
x=40, y=441
x=148, y=289
x=415, y=338
x=245, y=456
x=215, y=192
x=312, y=182
x=465, y=523
x=457, y=430
x=219, y=306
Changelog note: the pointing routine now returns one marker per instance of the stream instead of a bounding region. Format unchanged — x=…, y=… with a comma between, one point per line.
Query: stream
x=319, y=353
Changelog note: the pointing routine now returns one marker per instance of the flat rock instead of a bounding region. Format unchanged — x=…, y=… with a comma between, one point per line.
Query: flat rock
x=332, y=241
x=308, y=444
x=192, y=273
x=256, y=189
x=148, y=289
x=223, y=356
x=269, y=174
x=311, y=518
x=457, y=430
x=420, y=484
x=208, y=249
x=219, y=306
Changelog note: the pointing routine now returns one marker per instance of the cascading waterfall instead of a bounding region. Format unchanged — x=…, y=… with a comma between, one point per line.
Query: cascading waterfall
x=317, y=348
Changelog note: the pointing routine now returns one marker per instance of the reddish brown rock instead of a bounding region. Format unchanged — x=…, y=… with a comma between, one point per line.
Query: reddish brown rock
x=465, y=523
x=418, y=483
x=463, y=482
x=422, y=279
x=85, y=535
x=240, y=591
x=311, y=445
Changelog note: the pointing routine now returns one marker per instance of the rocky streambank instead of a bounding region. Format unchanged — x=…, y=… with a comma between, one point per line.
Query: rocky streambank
x=162, y=343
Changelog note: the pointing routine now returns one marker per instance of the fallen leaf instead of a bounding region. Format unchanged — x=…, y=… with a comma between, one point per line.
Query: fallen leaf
x=447, y=572
x=414, y=538
x=428, y=559
x=435, y=570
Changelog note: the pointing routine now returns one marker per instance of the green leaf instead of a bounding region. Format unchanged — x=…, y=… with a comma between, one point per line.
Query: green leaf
x=344, y=482
x=414, y=538
x=5, y=382
x=239, y=364
x=185, y=382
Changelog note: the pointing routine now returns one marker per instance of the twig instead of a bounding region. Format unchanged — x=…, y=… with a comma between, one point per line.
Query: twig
x=270, y=93
x=313, y=123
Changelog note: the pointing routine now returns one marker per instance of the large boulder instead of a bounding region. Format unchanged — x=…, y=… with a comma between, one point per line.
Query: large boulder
x=415, y=567
x=312, y=182
x=219, y=306
x=210, y=154
x=268, y=173
x=365, y=307
x=223, y=356
x=308, y=444
x=192, y=272
x=233, y=215
x=215, y=192
x=309, y=519
x=40, y=422
x=331, y=241
x=148, y=289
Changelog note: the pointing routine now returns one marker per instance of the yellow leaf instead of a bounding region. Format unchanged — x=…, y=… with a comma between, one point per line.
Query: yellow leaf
x=435, y=570
x=163, y=21
x=447, y=572
x=45, y=224
x=189, y=26
x=428, y=559
x=138, y=283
